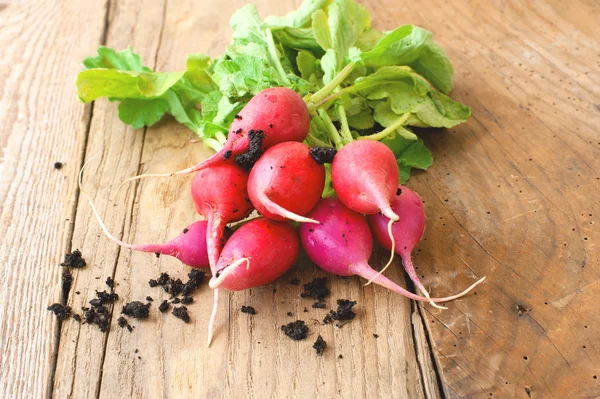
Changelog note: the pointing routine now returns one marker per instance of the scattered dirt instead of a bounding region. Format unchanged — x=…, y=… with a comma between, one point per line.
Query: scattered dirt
x=320, y=345
x=316, y=289
x=323, y=155
x=137, y=310
x=296, y=330
x=248, y=309
x=61, y=312
x=181, y=313
x=164, y=306
x=74, y=260
x=249, y=158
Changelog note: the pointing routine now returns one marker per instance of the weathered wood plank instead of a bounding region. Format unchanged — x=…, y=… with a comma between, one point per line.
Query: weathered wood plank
x=513, y=195
x=41, y=46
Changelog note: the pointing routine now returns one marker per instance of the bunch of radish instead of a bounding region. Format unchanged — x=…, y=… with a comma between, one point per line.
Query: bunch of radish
x=265, y=166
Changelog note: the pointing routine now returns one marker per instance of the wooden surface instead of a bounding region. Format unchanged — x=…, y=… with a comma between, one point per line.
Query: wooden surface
x=513, y=195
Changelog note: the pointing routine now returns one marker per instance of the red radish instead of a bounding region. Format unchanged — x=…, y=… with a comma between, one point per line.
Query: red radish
x=364, y=174
x=189, y=246
x=220, y=195
x=266, y=248
x=279, y=113
x=286, y=182
x=341, y=244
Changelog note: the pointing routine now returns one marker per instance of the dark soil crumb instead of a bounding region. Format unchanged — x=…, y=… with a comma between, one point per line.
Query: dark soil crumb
x=319, y=305
x=290, y=314
x=305, y=310
x=77, y=292
x=164, y=306
x=227, y=155
x=136, y=309
x=77, y=318
x=238, y=117
x=149, y=299
x=316, y=289
x=176, y=287
x=181, y=313
x=340, y=357
x=61, y=312
x=521, y=310
x=99, y=316
x=327, y=319
x=398, y=192
x=248, y=158
x=248, y=309
x=320, y=345
x=122, y=322
x=323, y=155
x=58, y=165
x=110, y=282
x=296, y=330
x=136, y=351
x=195, y=279
x=187, y=300
x=74, y=260
x=176, y=300
x=295, y=281
x=104, y=297
x=344, y=310
x=376, y=335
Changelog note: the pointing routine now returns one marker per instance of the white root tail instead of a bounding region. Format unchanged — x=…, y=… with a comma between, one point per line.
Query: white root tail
x=281, y=211
x=216, y=281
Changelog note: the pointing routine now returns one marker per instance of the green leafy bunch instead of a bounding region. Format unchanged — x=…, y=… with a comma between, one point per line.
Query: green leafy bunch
x=358, y=83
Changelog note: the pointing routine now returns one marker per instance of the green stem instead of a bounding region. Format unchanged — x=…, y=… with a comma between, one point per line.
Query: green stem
x=331, y=130
x=213, y=144
x=316, y=142
x=346, y=135
x=275, y=57
x=389, y=130
x=329, y=87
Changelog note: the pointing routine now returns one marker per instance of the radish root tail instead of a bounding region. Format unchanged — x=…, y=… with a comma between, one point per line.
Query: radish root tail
x=281, y=211
x=213, y=318
x=392, y=251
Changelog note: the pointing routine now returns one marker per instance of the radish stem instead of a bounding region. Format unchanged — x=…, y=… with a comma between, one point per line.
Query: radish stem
x=391, y=129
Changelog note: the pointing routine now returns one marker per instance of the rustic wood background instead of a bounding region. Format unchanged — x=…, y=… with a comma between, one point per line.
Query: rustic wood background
x=513, y=195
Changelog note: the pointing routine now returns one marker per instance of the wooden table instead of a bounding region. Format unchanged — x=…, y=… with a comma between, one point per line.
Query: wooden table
x=513, y=195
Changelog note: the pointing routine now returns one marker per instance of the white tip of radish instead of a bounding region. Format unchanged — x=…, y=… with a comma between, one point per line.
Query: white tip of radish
x=216, y=282
x=277, y=209
x=392, y=251
x=213, y=318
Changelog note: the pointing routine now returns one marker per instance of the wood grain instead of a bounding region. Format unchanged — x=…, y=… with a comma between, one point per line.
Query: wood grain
x=513, y=195
x=41, y=47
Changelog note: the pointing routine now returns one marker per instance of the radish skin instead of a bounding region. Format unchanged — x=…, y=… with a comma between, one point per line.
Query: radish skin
x=286, y=182
x=341, y=244
x=280, y=113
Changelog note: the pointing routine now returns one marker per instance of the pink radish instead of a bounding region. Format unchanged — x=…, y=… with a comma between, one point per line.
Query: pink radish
x=189, y=246
x=286, y=182
x=220, y=195
x=266, y=248
x=341, y=244
x=407, y=232
x=364, y=174
x=274, y=115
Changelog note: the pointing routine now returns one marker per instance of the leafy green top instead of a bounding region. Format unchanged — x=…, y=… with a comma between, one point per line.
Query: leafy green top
x=358, y=82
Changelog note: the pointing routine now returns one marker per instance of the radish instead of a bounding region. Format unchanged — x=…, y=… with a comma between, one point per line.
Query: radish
x=286, y=182
x=220, y=195
x=272, y=116
x=341, y=244
x=364, y=174
x=267, y=248
x=407, y=232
